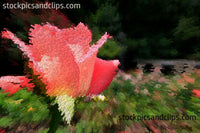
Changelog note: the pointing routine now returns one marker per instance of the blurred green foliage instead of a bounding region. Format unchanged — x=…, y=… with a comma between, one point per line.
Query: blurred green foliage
x=122, y=98
x=187, y=28
x=110, y=50
x=106, y=18
x=22, y=106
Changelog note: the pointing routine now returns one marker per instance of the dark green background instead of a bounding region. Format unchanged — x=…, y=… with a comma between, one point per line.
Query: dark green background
x=142, y=29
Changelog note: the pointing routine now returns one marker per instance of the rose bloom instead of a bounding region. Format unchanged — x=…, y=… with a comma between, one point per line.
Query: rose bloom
x=65, y=61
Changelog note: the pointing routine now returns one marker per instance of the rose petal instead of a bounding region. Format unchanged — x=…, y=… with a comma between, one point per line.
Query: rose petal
x=78, y=38
x=9, y=35
x=54, y=61
x=104, y=71
x=87, y=64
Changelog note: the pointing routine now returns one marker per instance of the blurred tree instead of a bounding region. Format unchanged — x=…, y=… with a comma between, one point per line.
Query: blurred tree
x=187, y=36
x=110, y=50
x=106, y=19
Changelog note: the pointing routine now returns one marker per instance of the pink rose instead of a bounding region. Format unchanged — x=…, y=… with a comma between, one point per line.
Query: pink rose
x=65, y=61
